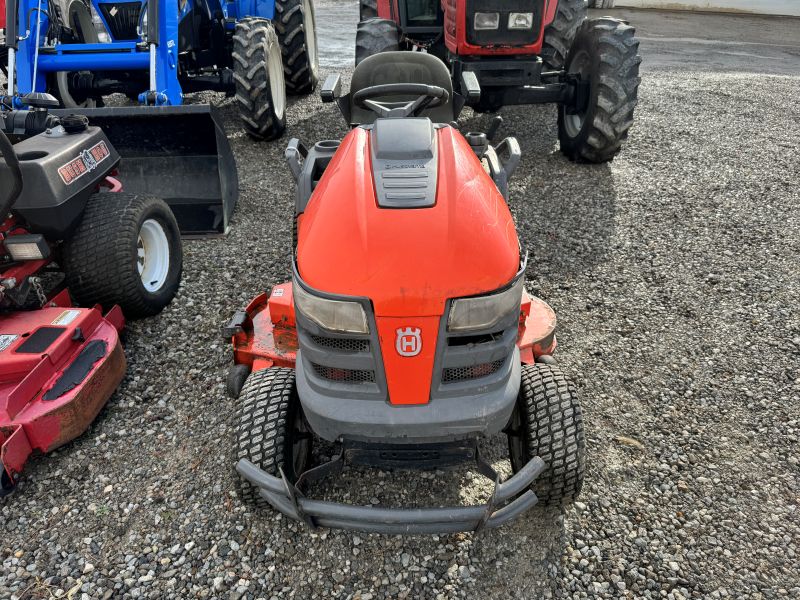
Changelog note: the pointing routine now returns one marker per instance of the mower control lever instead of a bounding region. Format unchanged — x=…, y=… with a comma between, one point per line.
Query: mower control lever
x=332, y=88
x=295, y=155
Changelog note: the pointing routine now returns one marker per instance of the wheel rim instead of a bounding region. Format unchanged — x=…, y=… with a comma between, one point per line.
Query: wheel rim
x=62, y=83
x=277, y=85
x=580, y=64
x=152, y=255
x=311, y=38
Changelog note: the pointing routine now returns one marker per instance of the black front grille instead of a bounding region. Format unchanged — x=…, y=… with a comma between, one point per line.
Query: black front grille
x=341, y=344
x=503, y=36
x=122, y=19
x=456, y=374
x=344, y=375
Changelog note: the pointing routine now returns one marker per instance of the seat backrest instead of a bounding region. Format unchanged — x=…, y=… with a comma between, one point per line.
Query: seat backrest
x=401, y=67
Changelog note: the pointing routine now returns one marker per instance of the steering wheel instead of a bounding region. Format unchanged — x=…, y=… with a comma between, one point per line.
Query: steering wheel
x=429, y=96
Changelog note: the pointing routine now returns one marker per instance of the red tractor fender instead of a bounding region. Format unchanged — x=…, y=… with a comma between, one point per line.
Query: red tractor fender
x=2, y=14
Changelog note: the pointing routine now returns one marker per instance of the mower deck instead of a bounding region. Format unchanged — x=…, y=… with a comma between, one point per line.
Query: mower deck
x=58, y=367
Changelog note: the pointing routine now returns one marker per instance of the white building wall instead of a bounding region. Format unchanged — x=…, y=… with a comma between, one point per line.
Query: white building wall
x=763, y=7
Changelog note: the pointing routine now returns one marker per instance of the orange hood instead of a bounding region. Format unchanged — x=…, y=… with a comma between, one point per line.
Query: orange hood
x=408, y=261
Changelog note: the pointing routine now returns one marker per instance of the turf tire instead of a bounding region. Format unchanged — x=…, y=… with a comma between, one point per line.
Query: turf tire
x=236, y=379
x=100, y=258
x=559, y=34
x=258, y=80
x=374, y=36
x=264, y=435
x=549, y=424
x=295, y=23
x=607, y=52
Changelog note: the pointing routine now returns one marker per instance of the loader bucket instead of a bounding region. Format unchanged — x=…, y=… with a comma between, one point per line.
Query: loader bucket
x=178, y=153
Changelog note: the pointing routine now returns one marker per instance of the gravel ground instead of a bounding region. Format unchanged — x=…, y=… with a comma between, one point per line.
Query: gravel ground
x=675, y=275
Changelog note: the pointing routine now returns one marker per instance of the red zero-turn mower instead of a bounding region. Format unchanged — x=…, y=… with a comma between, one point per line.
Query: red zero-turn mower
x=406, y=334
x=59, y=364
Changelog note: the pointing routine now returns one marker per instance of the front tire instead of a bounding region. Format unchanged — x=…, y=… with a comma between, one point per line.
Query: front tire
x=606, y=52
x=259, y=80
x=547, y=422
x=271, y=431
x=295, y=22
x=126, y=251
x=558, y=36
x=374, y=36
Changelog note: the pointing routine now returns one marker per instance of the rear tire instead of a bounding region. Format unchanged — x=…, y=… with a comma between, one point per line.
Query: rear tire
x=559, y=34
x=125, y=251
x=547, y=422
x=606, y=52
x=237, y=377
x=295, y=22
x=374, y=36
x=271, y=431
x=367, y=9
x=258, y=76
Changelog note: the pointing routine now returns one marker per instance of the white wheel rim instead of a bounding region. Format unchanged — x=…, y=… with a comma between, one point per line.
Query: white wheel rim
x=581, y=64
x=62, y=83
x=277, y=84
x=152, y=259
x=311, y=38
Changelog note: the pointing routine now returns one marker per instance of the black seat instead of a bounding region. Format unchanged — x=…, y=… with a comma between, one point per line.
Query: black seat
x=401, y=67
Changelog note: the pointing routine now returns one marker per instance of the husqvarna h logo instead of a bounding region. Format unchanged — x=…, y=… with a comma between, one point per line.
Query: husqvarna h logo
x=409, y=341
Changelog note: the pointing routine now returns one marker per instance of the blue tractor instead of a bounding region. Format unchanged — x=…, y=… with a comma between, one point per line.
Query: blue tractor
x=155, y=51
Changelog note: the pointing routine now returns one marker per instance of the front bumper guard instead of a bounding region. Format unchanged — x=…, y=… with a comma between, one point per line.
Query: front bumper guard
x=509, y=500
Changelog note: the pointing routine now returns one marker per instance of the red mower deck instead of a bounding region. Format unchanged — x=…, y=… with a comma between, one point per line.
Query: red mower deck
x=58, y=367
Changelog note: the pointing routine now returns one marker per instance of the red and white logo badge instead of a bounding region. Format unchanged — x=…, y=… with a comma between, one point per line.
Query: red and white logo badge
x=409, y=341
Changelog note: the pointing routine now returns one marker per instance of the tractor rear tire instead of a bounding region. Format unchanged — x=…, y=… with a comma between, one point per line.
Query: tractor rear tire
x=270, y=430
x=547, y=423
x=295, y=22
x=559, y=34
x=606, y=52
x=374, y=36
x=367, y=9
x=259, y=80
x=126, y=251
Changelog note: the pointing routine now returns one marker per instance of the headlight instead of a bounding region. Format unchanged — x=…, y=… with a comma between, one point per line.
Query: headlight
x=485, y=312
x=334, y=315
x=520, y=20
x=487, y=20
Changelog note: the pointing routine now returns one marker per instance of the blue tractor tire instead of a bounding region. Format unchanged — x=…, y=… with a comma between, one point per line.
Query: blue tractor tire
x=295, y=23
x=258, y=77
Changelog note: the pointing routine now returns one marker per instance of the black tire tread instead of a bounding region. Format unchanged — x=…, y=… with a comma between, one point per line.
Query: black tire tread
x=251, y=77
x=374, y=36
x=559, y=34
x=263, y=422
x=96, y=259
x=289, y=22
x=617, y=83
x=553, y=424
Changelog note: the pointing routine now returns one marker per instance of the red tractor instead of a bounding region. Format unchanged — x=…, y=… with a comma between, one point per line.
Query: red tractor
x=503, y=52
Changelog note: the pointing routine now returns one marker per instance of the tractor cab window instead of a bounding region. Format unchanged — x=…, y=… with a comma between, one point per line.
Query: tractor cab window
x=423, y=13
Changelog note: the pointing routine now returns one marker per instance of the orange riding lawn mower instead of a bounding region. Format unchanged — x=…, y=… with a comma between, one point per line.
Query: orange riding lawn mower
x=406, y=334
x=506, y=52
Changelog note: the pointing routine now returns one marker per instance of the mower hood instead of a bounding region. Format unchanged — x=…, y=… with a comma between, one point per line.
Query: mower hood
x=406, y=216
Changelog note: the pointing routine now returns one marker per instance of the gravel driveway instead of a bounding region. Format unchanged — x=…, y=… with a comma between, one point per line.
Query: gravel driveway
x=675, y=272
